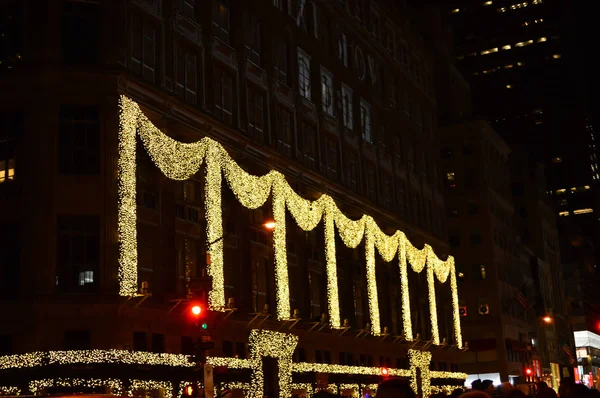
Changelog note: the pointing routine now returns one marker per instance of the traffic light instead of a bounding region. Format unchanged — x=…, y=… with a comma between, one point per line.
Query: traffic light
x=385, y=372
x=196, y=310
x=528, y=371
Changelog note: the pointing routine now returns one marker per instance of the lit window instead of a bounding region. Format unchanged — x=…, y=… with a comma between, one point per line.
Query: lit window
x=586, y=187
x=536, y=2
x=583, y=211
x=456, y=10
x=556, y=56
x=7, y=173
x=563, y=213
x=491, y=50
x=304, y=74
x=488, y=3
x=557, y=159
x=542, y=39
x=508, y=66
x=502, y=9
x=560, y=191
x=506, y=47
x=86, y=278
x=365, y=121
x=347, y=107
x=508, y=86
x=525, y=23
x=520, y=63
x=327, y=91
x=482, y=271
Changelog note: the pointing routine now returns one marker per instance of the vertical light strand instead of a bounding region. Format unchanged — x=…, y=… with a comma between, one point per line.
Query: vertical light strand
x=214, y=228
x=435, y=334
x=127, y=209
x=455, y=309
x=406, y=319
x=330, y=258
x=282, y=286
x=371, y=277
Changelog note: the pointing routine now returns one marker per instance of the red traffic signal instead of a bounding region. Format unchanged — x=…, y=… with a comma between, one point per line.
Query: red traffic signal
x=196, y=310
x=528, y=372
x=385, y=372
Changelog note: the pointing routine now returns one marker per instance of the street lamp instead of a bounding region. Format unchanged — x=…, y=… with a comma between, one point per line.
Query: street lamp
x=270, y=224
x=547, y=319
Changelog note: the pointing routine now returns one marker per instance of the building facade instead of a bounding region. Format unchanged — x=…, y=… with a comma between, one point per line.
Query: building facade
x=109, y=240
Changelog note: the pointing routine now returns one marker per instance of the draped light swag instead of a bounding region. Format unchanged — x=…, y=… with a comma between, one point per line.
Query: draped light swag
x=179, y=161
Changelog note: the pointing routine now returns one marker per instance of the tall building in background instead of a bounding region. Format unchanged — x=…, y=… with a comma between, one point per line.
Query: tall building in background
x=524, y=64
x=105, y=246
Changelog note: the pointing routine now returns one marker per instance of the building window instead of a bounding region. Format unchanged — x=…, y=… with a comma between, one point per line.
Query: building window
x=77, y=339
x=332, y=159
x=256, y=113
x=221, y=20
x=223, y=96
x=253, y=39
x=386, y=191
x=365, y=121
x=186, y=7
x=186, y=74
x=475, y=238
x=359, y=10
x=283, y=122
x=280, y=68
x=11, y=128
x=375, y=24
x=140, y=341
x=472, y=208
x=158, y=342
x=454, y=240
x=352, y=171
x=342, y=49
x=79, y=140
x=327, y=92
x=481, y=271
x=78, y=252
x=451, y=179
x=80, y=32
x=143, y=47
x=308, y=144
x=304, y=74
x=347, y=107
x=371, y=183
x=390, y=41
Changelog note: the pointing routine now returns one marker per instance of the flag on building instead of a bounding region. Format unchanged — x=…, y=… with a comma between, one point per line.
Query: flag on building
x=569, y=353
x=522, y=300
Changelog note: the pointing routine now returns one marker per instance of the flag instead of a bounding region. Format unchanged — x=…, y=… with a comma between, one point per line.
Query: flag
x=569, y=353
x=522, y=300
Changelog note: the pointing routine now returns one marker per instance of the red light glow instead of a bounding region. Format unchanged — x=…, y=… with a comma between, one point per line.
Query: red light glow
x=528, y=372
x=196, y=310
x=384, y=371
x=189, y=390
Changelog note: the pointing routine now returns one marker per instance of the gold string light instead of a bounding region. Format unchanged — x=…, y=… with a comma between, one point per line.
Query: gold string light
x=267, y=343
x=420, y=360
x=10, y=390
x=149, y=385
x=35, y=359
x=180, y=160
x=36, y=386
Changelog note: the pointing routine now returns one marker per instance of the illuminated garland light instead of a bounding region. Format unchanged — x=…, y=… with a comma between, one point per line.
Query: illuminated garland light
x=37, y=386
x=148, y=385
x=420, y=360
x=266, y=343
x=10, y=390
x=180, y=161
x=94, y=356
